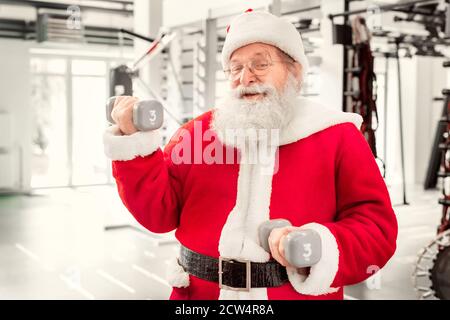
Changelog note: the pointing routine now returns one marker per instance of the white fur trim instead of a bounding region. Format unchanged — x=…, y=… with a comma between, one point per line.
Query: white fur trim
x=128, y=147
x=311, y=117
x=175, y=274
x=323, y=273
x=259, y=26
x=239, y=238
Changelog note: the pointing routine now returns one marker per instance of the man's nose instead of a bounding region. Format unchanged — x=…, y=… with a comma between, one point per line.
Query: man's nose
x=247, y=77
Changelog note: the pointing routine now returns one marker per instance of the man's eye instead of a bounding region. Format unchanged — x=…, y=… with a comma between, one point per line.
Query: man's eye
x=261, y=65
x=235, y=69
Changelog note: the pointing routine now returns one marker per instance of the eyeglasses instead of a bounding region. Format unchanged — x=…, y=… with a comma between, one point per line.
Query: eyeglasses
x=259, y=67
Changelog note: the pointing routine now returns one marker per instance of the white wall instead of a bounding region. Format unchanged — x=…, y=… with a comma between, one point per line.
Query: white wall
x=409, y=103
x=432, y=78
x=331, y=82
x=147, y=21
x=15, y=100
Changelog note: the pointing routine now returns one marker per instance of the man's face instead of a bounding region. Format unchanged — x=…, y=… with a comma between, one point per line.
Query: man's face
x=255, y=55
x=264, y=89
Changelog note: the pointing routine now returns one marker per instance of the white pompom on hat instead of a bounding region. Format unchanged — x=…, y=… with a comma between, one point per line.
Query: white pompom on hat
x=258, y=26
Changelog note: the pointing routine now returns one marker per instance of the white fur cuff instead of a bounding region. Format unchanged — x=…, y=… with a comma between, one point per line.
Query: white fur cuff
x=175, y=275
x=123, y=147
x=323, y=273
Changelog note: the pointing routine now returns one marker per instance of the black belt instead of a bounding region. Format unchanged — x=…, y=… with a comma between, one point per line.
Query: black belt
x=233, y=274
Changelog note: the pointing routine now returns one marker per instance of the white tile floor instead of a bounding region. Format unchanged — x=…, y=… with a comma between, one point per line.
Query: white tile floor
x=53, y=246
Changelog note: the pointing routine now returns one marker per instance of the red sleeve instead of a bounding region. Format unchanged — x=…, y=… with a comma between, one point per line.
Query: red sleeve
x=150, y=189
x=147, y=180
x=366, y=225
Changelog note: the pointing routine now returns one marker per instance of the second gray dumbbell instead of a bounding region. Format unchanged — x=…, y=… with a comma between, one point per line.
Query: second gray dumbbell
x=303, y=248
x=147, y=114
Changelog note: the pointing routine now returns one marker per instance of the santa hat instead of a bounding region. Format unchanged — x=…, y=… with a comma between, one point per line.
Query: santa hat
x=258, y=26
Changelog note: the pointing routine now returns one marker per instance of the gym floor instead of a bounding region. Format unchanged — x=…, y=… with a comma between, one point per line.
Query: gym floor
x=53, y=245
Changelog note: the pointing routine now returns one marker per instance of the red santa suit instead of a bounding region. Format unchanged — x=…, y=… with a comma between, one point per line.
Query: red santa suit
x=324, y=178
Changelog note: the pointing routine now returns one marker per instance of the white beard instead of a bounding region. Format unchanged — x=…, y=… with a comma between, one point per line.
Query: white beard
x=247, y=119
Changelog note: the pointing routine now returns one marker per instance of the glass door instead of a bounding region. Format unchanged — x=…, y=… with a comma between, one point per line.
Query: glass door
x=89, y=94
x=69, y=97
x=50, y=161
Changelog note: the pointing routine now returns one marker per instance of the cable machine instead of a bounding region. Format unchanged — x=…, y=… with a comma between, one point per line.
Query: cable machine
x=433, y=21
x=432, y=268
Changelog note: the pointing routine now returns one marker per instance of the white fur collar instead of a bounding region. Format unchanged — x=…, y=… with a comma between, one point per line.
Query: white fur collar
x=311, y=117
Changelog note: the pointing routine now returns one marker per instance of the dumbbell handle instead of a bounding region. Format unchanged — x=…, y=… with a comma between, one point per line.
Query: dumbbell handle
x=147, y=114
x=266, y=228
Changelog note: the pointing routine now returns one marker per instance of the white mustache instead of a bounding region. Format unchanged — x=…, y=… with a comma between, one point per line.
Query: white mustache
x=240, y=91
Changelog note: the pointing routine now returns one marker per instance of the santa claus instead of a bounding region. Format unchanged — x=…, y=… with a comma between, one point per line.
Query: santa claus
x=318, y=173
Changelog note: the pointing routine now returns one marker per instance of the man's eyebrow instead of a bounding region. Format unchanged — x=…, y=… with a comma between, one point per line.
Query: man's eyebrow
x=261, y=53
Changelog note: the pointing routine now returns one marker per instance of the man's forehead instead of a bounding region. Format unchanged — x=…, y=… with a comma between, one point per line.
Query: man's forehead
x=251, y=50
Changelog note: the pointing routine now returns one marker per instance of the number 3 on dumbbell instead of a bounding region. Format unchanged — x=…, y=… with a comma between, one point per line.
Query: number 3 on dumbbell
x=308, y=252
x=152, y=117
x=303, y=248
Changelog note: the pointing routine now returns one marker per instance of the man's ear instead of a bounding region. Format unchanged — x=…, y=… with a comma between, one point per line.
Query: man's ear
x=297, y=70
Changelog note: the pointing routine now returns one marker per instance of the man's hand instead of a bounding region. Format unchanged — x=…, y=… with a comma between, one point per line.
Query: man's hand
x=277, y=249
x=122, y=114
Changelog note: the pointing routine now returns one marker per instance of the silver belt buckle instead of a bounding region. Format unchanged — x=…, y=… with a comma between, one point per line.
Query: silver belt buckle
x=248, y=276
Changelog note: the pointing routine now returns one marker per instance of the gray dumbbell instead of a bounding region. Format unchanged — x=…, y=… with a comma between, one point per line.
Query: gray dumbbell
x=147, y=114
x=302, y=248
